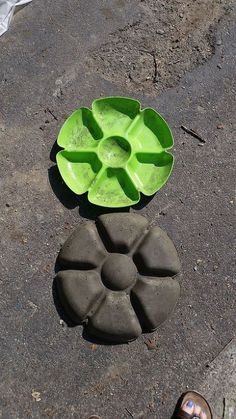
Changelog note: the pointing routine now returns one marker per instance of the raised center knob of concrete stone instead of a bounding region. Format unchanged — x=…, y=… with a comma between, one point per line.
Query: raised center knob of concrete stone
x=119, y=272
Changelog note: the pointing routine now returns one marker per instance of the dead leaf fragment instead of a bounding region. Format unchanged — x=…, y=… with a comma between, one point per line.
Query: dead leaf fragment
x=151, y=344
x=36, y=396
x=93, y=347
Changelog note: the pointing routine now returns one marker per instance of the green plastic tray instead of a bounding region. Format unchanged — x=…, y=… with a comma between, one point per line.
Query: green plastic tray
x=115, y=151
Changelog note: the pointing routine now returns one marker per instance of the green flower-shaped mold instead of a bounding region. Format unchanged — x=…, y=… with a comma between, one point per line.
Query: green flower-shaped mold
x=115, y=151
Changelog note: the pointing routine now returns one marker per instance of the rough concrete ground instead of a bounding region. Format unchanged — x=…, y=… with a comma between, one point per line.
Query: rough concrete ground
x=161, y=44
x=220, y=383
x=50, y=61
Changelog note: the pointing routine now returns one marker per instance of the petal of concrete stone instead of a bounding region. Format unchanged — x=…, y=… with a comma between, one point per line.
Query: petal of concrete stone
x=154, y=299
x=80, y=292
x=157, y=255
x=121, y=230
x=83, y=249
x=115, y=319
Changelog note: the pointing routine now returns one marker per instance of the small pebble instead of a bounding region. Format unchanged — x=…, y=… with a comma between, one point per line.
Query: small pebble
x=219, y=65
x=219, y=42
x=160, y=31
x=220, y=126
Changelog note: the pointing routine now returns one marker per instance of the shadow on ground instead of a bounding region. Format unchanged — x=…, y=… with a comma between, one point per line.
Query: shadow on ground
x=87, y=210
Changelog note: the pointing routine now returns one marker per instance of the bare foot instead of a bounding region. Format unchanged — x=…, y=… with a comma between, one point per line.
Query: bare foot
x=194, y=410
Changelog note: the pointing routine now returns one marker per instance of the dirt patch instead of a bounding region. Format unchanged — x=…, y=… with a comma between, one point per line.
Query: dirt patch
x=168, y=39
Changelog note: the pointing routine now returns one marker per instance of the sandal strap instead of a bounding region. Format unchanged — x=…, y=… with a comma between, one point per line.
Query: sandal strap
x=182, y=415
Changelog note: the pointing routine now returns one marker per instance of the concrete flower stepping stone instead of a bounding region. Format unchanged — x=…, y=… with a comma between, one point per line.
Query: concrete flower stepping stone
x=116, y=277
